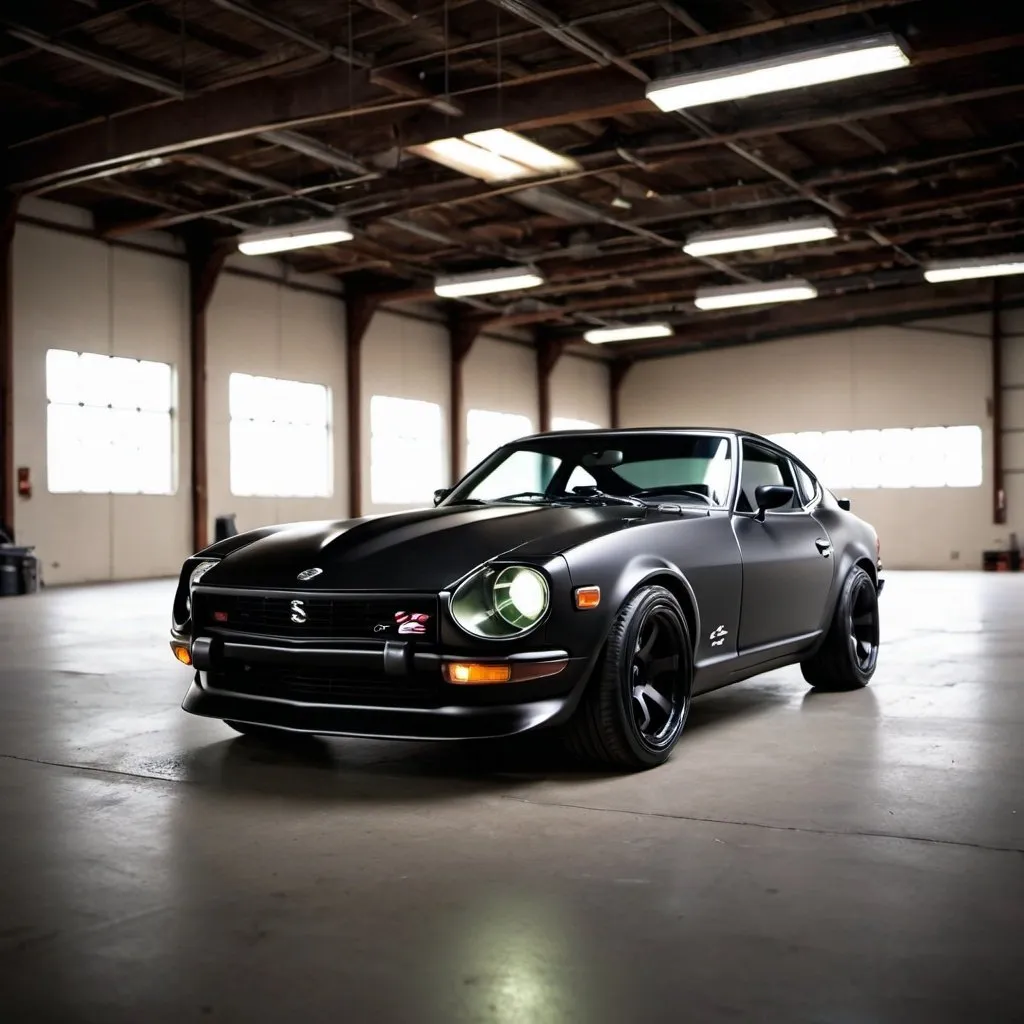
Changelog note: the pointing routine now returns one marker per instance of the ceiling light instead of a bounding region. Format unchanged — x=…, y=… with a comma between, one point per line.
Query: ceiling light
x=295, y=236
x=793, y=71
x=714, y=243
x=495, y=155
x=522, y=151
x=637, y=331
x=487, y=282
x=967, y=270
x=755, y=294
x=463, y=156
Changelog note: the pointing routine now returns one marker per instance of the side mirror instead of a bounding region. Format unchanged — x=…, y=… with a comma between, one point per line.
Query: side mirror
x=440, y=494
x=843, y=503
x=771, y=496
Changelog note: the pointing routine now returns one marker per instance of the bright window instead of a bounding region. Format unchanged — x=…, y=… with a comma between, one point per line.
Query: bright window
x=893, y=458
x=280, y=438
x=486, y=430
x=406, y=450
x=565, y=423
x=109, y=425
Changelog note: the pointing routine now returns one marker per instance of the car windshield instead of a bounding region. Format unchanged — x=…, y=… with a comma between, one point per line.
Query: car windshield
x=691, y=469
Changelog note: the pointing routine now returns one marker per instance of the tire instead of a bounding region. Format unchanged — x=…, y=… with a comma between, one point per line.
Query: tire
x=848, y=656
x=635, y=706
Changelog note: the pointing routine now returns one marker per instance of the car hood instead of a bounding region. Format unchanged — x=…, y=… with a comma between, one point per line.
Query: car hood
x=425, y=550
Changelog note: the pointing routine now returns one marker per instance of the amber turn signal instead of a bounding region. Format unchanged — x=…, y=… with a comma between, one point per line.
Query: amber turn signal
x=588, y=597
x=182, y=653
x=472, y=672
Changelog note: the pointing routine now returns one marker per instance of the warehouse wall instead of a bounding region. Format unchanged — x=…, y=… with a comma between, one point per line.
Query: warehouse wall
x=270, y=330
x=85, y=295
x=75, y=293
x=930, y=374
x=579, y=391
x=1013, y=419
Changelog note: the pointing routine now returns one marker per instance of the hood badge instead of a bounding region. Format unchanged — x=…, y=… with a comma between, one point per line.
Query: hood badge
x=412, y=622
x=308, y=574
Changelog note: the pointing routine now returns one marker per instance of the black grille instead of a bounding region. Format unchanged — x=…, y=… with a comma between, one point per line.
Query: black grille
x=340, y=617
x=326, y=686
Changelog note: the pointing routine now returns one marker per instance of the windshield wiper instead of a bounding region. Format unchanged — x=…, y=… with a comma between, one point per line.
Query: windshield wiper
x=589, y=493
x=524, y=495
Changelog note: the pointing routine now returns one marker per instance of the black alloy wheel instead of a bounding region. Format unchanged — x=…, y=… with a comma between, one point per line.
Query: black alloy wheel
x=848, y=656
x=637, y=701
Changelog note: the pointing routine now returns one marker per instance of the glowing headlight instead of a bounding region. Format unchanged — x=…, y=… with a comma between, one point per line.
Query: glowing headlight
x=501, y=603
x=520, y=596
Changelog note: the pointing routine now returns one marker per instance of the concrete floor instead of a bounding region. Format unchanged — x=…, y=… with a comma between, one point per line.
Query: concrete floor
x=844, y=859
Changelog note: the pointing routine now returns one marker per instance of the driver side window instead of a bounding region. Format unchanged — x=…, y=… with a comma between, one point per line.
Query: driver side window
x=760, y=466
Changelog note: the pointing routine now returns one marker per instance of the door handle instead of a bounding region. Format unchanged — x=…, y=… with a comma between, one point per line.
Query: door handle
x=824, y=547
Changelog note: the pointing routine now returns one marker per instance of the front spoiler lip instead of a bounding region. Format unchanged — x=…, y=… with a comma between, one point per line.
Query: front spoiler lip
x=454, y=722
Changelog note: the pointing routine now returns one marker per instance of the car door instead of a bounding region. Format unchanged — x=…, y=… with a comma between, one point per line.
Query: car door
x=787, y=558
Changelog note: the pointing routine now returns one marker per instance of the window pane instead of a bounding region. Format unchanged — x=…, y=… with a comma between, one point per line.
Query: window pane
x=123, y=382
x=520, y=471
x=486, y=430
x=895, y=464
x=963, y=456
x=62, y=382
x=280, y=437
x=94, y=379
x=154, y=387
x=928, y=468
x=406, y=450
x=65, y=466
x=834, y=465
x=866, y=455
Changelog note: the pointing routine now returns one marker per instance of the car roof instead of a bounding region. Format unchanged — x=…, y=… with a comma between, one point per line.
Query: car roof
x=633, y=431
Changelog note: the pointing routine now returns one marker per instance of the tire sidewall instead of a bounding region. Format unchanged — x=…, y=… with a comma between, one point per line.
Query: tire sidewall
x=619, y=662
x=845, y=610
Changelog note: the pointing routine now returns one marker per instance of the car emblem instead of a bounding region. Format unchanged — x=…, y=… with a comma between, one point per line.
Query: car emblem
x=308, y=574
x=298, y=612
x=411, y=622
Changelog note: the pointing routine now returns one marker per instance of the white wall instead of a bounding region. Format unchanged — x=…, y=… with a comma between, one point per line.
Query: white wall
x=869, y=378
x=82, y=294
x=74, y=293
x=404, y=358
x=579, y=390
x=270, y=330
x=1013, y=420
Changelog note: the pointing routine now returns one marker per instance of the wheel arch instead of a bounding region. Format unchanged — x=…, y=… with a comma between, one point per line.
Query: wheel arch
x=647, y=571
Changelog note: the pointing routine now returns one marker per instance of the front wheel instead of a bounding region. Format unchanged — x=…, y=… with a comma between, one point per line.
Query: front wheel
x=848, y=656
x=638, y=699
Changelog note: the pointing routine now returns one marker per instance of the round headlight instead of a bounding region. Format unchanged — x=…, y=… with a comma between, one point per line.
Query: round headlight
x=501, y=604
x=520, y=596
x=196, y=575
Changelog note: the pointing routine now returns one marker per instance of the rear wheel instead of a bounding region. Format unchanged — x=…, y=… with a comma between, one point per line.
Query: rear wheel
x=848, y=656
x=637, y=702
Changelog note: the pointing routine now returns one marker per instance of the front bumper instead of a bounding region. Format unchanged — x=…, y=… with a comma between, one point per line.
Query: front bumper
x=387, y=691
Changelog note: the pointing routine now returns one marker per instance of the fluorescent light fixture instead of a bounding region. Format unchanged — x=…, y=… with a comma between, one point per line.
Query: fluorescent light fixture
x=295, y=236
x=968, y=270
x=793, y=290
x=604, y=334
x=495, y=155
x=487, y=282
x=522, y=151
x=714, y=243
x=793, y=71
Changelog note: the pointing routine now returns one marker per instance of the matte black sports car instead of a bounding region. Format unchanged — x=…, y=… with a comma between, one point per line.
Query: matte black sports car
x=592, y=582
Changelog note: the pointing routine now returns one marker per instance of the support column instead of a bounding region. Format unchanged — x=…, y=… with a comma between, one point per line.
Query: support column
x=359, y=310
x=616, y=375
x=8, y=218
x=549, y=351
x=998, y=440
x=205, y=261
x=462, y=332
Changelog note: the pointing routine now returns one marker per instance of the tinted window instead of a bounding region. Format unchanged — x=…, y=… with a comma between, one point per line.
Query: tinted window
x=761, y=466
x=806, y=484
x=685, y=468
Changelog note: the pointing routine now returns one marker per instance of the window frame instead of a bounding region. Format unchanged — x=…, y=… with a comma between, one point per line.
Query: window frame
x=783, y=456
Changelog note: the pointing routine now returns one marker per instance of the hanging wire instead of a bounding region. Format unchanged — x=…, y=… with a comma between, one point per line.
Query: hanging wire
x=497, y=35
x=184, y=44
x=447, y=62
